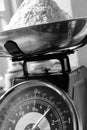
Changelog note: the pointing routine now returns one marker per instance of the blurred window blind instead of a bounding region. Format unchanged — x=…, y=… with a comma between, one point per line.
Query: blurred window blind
x=2, y=14
x=7, y=9
x=2, y=6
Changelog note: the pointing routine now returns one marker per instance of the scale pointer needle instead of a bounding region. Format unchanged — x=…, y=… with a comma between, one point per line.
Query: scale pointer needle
x=37, y=123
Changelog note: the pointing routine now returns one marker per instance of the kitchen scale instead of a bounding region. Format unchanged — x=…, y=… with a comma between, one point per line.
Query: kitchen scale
x=45, y=98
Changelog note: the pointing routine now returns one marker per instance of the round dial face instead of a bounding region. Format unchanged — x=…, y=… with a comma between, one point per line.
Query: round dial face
x=36, y=106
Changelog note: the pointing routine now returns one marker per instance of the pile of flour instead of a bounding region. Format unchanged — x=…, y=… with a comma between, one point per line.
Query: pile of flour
x=33, y=12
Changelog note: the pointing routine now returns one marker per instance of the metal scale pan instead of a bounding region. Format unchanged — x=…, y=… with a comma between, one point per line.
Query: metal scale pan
x=44, y=39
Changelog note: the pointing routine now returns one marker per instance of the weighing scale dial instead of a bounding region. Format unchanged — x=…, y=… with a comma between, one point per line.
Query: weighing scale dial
x=37, y=105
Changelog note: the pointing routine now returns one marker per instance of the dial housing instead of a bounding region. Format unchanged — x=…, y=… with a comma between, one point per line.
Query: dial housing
x=38, y=104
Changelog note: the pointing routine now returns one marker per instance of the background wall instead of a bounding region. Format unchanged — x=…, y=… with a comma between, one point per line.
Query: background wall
x=79, y=9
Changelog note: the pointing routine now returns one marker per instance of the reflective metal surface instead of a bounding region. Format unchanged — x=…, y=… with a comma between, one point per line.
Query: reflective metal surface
x=45, y=38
